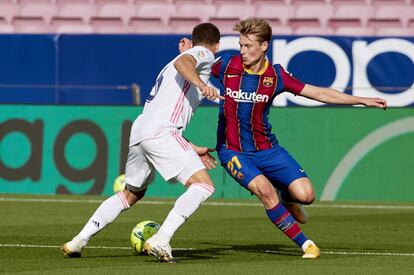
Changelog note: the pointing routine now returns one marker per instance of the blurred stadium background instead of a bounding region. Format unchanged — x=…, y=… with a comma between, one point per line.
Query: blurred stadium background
x=72, y=73
x=299, y=17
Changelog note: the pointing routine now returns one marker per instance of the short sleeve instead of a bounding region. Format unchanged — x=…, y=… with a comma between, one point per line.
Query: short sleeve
x=291, y=84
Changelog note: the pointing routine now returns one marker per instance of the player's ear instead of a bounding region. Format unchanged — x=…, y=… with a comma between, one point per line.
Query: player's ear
x=184, y=44
x=265, y=46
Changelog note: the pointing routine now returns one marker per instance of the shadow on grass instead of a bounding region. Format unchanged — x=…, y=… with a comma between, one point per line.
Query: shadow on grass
x=216, y=251
x=221, y=250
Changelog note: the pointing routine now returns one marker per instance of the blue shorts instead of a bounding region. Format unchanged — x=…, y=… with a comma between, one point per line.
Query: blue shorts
x=276, y=164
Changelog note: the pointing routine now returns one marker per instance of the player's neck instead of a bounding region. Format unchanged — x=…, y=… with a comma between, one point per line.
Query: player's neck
x=211, y=48
x=258, y=67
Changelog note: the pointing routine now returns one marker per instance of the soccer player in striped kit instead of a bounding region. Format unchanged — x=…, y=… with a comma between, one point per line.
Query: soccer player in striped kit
x=156, y=142
x=246, y=147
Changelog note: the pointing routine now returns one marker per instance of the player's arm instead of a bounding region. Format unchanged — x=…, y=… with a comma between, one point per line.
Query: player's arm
x=332, y=96
x=186, y=66
x=327, y=95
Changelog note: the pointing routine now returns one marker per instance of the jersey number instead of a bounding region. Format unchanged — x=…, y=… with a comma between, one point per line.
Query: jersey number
x=157, y=85
x=234, y=167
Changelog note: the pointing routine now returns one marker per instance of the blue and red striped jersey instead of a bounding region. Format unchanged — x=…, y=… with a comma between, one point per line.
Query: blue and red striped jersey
x=243, y=116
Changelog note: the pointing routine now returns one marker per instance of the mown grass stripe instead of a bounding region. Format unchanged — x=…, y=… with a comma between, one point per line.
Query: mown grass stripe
x=155, y=202
x=362, y=253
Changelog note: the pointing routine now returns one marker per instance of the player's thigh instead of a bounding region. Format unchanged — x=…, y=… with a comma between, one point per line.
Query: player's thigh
x=194, y=172
x=172, y=156
x=138, y=170
x=280, y=167
x=239, y=166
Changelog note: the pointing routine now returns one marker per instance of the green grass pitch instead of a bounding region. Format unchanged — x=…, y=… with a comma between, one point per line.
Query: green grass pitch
x=223, y=237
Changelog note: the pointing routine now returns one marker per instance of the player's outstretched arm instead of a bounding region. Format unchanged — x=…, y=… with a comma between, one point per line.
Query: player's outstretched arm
x=332, y=96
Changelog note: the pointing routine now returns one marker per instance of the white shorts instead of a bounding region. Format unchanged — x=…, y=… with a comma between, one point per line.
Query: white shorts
x=169, y=153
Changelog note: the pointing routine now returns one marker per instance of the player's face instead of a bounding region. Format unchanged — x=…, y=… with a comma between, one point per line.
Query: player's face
x=252, y=52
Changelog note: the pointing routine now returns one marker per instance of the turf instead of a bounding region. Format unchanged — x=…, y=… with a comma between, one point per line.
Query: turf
x=218, y=239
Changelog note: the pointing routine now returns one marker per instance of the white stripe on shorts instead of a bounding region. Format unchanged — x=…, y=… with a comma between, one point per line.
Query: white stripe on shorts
x=184, y=144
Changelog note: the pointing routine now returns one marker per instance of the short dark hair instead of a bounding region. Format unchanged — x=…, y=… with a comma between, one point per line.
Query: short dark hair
x=205, y=33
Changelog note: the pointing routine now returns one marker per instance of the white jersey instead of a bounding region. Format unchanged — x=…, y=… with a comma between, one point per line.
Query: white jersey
x=173, y=100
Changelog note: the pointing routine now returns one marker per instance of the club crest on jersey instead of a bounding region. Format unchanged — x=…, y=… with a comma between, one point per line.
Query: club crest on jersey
x=200, y=54
x=268, y=81
x=241, y=96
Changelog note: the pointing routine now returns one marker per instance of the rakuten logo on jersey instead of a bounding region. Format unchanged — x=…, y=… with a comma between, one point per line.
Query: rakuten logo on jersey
x=241, y=96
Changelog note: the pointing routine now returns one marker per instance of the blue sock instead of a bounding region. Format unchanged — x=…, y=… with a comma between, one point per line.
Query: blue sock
x=281, y=217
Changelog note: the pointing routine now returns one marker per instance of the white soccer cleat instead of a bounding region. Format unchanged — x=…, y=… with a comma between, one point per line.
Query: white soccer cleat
x=296, y=210
x=73, y=249
x=162, y=251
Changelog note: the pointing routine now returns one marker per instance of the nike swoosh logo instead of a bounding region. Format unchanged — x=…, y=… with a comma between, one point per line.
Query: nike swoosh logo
x=232, y=75
x=301, y=170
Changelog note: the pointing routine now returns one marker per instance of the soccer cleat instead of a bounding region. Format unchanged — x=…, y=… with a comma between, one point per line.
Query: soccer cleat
x=162, y=251
x=73, y=249
x=296, y=210
x=311, y=252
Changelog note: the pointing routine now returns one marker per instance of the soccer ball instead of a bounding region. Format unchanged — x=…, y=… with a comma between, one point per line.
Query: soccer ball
x=119, y=183
x=142, y=232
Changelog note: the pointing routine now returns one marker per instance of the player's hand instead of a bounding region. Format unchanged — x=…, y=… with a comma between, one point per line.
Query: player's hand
x=375, y=102
x=184, y=44
x=204, y=152
x=210, y=93
x=208, y=160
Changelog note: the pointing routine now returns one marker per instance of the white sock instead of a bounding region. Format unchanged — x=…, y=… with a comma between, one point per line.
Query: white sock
x=104, y=215
x=306, y=244
x=183, y=208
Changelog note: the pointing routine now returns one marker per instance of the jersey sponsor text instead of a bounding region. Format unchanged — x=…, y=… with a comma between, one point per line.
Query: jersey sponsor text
x=241, y=96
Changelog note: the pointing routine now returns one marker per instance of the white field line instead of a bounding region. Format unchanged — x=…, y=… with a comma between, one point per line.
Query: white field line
x=355, y=206
x=59, y=246
x=187, y=249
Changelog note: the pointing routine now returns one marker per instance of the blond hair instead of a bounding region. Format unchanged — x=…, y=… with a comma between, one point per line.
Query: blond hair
x=256, y=26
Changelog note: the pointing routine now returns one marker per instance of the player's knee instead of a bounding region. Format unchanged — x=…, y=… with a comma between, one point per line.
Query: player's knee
x=200, y=176
x=266, y=195
x=306, y=197
x=268, y=198
x=132, y=196
x=309, y=199
x=302, y=192
x=264, y=190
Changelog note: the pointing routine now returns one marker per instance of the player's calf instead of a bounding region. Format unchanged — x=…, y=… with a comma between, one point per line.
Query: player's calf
x=283, y=220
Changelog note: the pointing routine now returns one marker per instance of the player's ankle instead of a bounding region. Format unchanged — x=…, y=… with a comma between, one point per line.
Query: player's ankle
x=306, y=244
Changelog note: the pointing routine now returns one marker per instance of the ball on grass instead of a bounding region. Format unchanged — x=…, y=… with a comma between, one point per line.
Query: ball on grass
x=142, y=232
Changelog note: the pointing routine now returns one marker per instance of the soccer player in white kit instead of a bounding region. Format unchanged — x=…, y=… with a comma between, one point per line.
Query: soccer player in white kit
x=156, y=142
